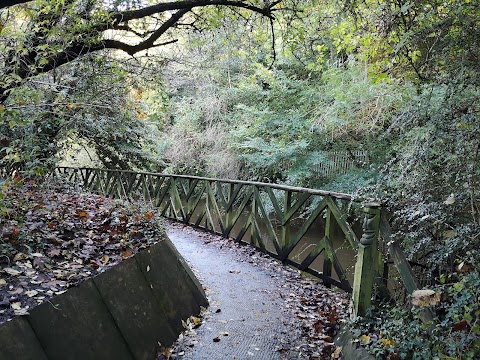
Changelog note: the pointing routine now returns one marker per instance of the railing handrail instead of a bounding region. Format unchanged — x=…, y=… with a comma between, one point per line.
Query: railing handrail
x=338, y=195
x=178, y=197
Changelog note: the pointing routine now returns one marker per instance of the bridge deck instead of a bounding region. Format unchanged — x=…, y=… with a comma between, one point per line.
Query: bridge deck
x=259, y=309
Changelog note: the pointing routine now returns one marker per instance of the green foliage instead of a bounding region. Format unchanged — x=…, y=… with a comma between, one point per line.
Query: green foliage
x=431, y=181
x=351, y=182
x=89, y=103
x=26, y=141
x=270, y=144
x=396, y=332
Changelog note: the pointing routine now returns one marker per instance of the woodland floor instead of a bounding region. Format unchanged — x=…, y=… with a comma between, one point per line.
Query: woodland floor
x=54, y=236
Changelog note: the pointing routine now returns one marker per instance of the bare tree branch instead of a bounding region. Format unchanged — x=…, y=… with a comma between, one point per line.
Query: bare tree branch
x=8, y=3
x=186, y=4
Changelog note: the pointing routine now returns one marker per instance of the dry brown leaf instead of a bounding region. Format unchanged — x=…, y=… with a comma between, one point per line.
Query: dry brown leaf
x=336, y=354
x=12, y=272
x=19, y=256
x=104, y=260
x=364, y=339
x=16, y=291
x=425, y=297
x=127, y=253
x=31, y=293
x=16, y=305
x=149, y=215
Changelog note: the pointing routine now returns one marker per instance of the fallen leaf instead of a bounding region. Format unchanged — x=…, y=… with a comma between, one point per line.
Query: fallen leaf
x=450, y=199
x=425, y=297
x=459, y=326
x=104, y=260
x=3, y=282
x=449, y=233
x=21, y=312
x=83, y=215
x=16, y=305
x=11, y=233
x=337, y=352
x=53, y=252
x=196, y=321
x=364, y=339
x=332, y=315
x=12, y=272
x=149, y=215
x=389, y=343
x=127, y=253
x=31, y=293
x=16, y=291
x=19, y=256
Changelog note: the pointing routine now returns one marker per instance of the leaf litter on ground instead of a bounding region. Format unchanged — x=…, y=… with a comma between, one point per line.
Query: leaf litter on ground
x=54, y=236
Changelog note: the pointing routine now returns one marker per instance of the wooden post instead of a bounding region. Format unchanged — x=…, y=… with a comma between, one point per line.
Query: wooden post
x=253, y=221
x=286, y=226
x=327, y=255
x=189, y=200
x=367, y=260
x=229, y=210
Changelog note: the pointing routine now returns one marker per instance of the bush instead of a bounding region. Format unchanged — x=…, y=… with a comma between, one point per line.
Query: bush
x=394, y=332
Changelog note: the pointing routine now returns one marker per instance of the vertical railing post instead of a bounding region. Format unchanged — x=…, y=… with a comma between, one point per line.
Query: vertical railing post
x=253, y=220
x=286, y=226
x=229, y=210
x=367, y=260
x=189, y=200
x=327, y=256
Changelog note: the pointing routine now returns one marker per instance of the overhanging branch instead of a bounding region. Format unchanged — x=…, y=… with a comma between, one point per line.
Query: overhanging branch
x=8, y=3
x=186, y=4
x=24, y=66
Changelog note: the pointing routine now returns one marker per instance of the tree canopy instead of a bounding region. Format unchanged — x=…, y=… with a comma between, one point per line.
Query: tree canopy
x=43, y=35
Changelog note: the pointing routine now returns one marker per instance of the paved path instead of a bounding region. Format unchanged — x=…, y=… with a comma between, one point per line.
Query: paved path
x=253, y=312
x=245, y=316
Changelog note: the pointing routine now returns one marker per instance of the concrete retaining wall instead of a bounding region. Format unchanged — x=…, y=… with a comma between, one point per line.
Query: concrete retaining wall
x=122, y=313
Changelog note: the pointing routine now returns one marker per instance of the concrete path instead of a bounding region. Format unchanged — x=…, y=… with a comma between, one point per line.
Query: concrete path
x=249, y=316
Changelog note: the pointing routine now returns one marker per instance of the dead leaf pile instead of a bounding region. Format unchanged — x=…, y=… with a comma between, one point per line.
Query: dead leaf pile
x=54, y=237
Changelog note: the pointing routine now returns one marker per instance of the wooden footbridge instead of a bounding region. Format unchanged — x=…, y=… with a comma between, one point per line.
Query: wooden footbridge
x=263, y=215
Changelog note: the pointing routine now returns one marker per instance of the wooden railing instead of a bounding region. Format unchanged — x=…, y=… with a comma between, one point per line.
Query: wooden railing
x=262, y=215
x=272, y=218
